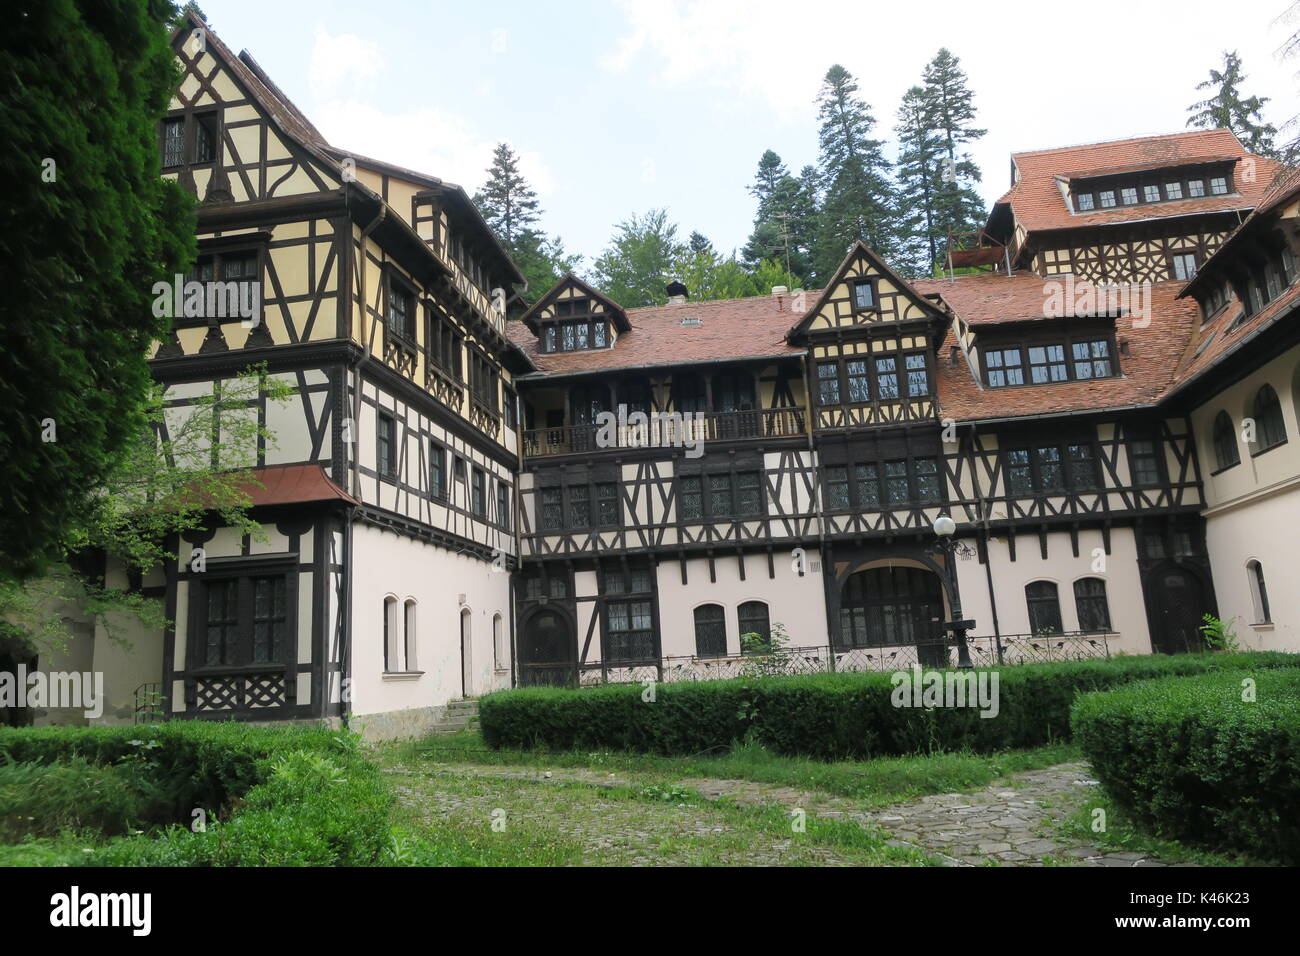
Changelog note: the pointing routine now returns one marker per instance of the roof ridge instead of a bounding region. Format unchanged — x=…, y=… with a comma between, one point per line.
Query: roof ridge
x=1126, y=139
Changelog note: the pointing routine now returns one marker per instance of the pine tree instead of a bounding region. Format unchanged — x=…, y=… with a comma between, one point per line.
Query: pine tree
x=918, y=174
x=1227, y=108
x=859, y=196
x=950, y=109
x=780, y=231
x=507, y=202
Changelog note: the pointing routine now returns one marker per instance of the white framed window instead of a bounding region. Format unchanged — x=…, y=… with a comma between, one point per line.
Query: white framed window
x=499, y=642
x=1258, y=592
x=409, y=633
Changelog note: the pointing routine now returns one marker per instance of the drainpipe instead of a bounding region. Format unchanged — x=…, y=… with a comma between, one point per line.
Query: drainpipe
x=345, y=651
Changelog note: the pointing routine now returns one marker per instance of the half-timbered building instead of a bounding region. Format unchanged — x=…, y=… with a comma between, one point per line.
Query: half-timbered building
x=1103, y=402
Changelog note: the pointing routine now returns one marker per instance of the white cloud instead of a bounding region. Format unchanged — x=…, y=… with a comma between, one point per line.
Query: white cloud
x=348, y=109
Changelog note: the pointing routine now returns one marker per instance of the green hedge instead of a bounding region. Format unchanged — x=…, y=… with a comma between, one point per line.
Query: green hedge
x=1190, y=760
x=828, y=716
x=272, y=796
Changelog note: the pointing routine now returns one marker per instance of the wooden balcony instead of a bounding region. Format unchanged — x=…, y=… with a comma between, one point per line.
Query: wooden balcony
x=667, y=430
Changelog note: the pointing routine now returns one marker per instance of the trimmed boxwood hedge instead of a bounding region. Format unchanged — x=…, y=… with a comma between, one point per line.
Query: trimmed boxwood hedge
x=1190, y=760
x=272, y=796
x=827, y=716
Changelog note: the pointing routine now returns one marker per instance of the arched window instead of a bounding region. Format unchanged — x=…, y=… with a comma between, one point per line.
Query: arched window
x=1090, y=602
x=408, y=642
x=1259, y=593
x=1225, y=441
x=1044, y=608
x=753, y=619
x=390, y=635
x=1270, y=430
x=710, y=631
x=498, y=642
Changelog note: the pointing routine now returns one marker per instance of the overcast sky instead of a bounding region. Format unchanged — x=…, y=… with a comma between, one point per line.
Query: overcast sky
x=621, y=106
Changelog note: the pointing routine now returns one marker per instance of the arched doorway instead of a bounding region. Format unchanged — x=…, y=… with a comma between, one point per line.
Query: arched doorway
x=1177, y=607
x=895, y=606
x=548, y=652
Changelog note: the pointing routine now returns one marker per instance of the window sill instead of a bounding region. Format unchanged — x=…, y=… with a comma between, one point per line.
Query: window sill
x=1263, y=626
x=1265, y=451
x=1225, y=468
x=402, y=675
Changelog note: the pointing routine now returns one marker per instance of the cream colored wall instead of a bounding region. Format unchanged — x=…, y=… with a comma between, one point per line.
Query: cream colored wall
x=797, y=602
x=389, y=564
x=1119, y=570
x=1262, y=474
x=1257, y=532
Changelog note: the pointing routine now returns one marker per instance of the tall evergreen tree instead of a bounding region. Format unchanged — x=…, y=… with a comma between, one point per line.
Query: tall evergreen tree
x=858, y=194
x=950, y=111
x=1227, y=107
x=918, y=172
x=781, y=226
x=87, y=226
x=507, y=201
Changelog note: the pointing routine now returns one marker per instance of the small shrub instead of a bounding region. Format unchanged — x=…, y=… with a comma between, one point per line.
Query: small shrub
x=1192, y=760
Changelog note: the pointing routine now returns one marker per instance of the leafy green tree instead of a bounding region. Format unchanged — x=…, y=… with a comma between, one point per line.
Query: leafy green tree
x=179, y=471
x=87, y=226
x=1229, y=108
x=949, y=106
x=858, y=195
x=641, y=258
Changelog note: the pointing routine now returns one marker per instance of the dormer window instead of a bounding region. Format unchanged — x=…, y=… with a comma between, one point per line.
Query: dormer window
x=189, y=139
x=1085, y=202
x=1129, y=195
x=1195, y=188
x=574, y=335
x=1107, y=198
x=1219, y=186
x=1151, y=193
x=1173, y=190
x=1070, y=358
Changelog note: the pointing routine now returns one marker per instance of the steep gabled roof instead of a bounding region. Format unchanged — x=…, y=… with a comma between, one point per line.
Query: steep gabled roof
x=728, y=330
x=860, y=248
x=570, y=281
x=1035, y=196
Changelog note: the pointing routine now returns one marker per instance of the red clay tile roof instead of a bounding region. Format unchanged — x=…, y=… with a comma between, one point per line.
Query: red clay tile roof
x=729, y=329
x=1147, y=371
x=1038, y=204
x=294, y=484
x=990, y=299
x=1217, y=338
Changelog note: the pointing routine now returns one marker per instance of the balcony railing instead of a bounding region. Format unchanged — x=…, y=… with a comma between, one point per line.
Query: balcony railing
x=666, y=430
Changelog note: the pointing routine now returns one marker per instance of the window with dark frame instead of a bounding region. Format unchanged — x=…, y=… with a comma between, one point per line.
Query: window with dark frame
x=752, y=618
x=483, y=381
x=243, y=617
x=1183, y=265
x=864, y=295
x=205, y=137
x=1142, y=190
x=445, y=347
x=401, y=310
x=710, y=631
x=1044, y=608
x=1260, y=593
x=1091, y=605
x=1270, y=428
x=503, y=505
x=1226, y=452
x=478, y=493
x=1046, y=469
x=890, y=607
x=1144, y=461
x=173, y=142
x=1003, y=367
x=721, y=495
x=386, y=450
x=570, y=506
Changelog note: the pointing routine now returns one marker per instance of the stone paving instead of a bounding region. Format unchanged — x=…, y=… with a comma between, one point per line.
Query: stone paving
x=1013, y=822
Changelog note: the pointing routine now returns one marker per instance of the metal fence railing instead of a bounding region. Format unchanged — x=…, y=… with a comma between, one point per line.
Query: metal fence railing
x=1005, y=650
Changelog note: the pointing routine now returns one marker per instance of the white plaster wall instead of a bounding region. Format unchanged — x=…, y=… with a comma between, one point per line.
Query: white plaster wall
x=1257, y=531
x=797, y=602
x=1120, y=572
x=385, y=563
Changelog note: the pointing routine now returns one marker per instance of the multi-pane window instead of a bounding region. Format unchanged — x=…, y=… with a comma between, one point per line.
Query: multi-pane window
x=837, y=487
x=1226, y=452
x=1090, y=602
x=478, y=493
x=866, y=484
x=1144, y=461
x=1085, y=202
x=575, y=335
x=503, y=505
x=828, y=383
x=580, y=506
x=1195, y=188
x=1004, y=367
x=1141, y=189
x=551, y=509
x=1128, y=195
x=580, y=498
x=552, y=586
x=1173, y=190
x=205, y=137
x=204, y=129
x=483, y=380
x=753, y=619
x=508, y=398
x=1151, y=193
x=891, y=606
x=386, y=451
x=710, y=631
x=887, y=378
x=1107, y=198
x=864, y=295
x=858, y=381
x=1044, y=608
x=721, y=495
x=1270, y=429
x=401, y=311
x=857, y=488
x=1091, y=359
x=437, y=471
x=1184, y=264
x=243, y=619
x=1047, y=364
x=445, y=347
x=1219, y=185
x=607, y=503
x=630, y=632
x=1051, y=468
x=918, y=378
x=173, y=141
x=906, y=481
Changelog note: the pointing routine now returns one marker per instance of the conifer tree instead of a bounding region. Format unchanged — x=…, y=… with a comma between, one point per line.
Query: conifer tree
x=507, y=201
x=781, y=230
x=858, y=195
x=918, y=174
x=950, y=108
x=1229, y=108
